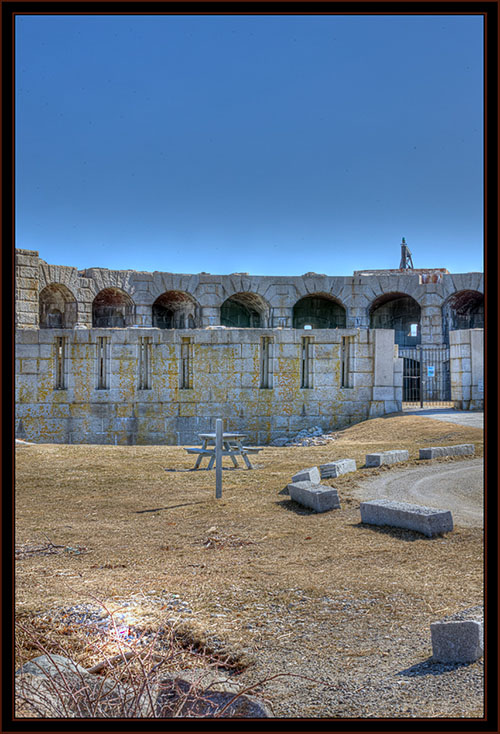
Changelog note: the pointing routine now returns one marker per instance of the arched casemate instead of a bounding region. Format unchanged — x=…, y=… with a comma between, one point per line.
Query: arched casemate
x=319, y=311
x=463, y=310
x=244, y=310
x=400, y=312
x=176, y=310
x=57, y=307
x=112, y=308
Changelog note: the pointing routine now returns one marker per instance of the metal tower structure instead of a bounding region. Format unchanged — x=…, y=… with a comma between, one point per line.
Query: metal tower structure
x=406, y=261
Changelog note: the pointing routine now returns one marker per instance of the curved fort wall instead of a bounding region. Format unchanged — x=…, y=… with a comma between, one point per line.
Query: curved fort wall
x=134, y=357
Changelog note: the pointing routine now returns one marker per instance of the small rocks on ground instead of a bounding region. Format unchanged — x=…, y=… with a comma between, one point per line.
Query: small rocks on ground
x=313, y=436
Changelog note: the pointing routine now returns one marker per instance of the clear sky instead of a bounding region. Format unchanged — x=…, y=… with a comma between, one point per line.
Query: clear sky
x=262, y=144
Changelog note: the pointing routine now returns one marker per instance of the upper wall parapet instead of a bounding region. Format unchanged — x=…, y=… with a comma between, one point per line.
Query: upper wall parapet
x=272, y=297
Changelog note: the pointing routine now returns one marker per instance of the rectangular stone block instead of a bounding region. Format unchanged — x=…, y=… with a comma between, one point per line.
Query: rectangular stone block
x=431, y=452
x=383, y=393
x=336, y=468
x=386, y=457
x=427, y=520
x=458, y=638
x=311, y=475
x=315, y=496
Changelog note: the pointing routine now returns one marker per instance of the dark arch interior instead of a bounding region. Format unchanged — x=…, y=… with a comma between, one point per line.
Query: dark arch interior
x=398, y=312
x=243, y=310
x=57, y=307
x=112, y=308
x=463, y=310
x=318, y=312
x=175, y=310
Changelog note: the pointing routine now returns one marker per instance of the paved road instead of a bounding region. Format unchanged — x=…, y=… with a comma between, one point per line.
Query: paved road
x=455, y=486
x=462, y=417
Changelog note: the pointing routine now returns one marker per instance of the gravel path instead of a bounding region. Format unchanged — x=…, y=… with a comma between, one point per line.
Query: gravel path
x=456, y=487
x=364, y=669
x=473, y=418
x=376, y=666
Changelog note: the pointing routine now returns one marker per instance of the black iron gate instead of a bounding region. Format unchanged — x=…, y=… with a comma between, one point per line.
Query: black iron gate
x=426, y=374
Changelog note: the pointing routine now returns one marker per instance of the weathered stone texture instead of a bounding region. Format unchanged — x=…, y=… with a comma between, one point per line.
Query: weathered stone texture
x=427, y=520
x=336, y=468
x=459, y=638
x=226, y=362
x=386, y=457
x=432, y=452
x=316, y=497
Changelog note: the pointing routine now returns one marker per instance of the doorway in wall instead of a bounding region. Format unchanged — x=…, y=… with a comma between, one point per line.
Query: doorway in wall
x=426, y=376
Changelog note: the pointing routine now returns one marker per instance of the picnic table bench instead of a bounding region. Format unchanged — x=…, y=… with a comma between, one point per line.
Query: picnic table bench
x=231, y=446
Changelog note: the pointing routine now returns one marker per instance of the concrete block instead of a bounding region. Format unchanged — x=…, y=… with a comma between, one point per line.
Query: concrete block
x=431, y=452
x=336, y=468
x=427, y=520
x=315, y=496
x=387, y=457
x=311, y=475
x=458, y=638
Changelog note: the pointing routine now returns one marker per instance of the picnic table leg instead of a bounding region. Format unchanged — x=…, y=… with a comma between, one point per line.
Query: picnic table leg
x=200, y=457
x=244, y=455
x=212, y=460
x=228, y=447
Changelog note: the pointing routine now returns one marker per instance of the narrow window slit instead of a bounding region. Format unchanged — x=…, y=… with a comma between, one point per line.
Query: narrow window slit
x=266, y=362
x=186, y=371
x=145, y=363
x=102, y=363
x=306, y=374
x=60, y=376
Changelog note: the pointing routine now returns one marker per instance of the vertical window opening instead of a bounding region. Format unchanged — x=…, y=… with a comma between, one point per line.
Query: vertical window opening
x=306, y=363
x=266, y=370
x=60, y=381
x=102, y=363
x=145, y=363
x=186, y=363
x=345, y=379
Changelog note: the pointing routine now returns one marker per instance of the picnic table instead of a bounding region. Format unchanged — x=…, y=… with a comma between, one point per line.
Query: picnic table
x=232, y=445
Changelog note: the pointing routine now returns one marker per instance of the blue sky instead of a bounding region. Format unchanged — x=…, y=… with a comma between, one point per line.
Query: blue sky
x=262, y=144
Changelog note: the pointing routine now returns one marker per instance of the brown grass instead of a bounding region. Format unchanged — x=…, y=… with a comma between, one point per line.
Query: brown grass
x=139, y=529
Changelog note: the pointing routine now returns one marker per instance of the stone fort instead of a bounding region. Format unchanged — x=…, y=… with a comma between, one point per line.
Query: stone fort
x=127, y=357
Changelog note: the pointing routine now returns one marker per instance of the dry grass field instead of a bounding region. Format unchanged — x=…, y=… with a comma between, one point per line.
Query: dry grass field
x=281, y=587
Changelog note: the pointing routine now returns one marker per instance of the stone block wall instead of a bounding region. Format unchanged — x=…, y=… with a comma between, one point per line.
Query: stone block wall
x=275, y=295
x=225, y=366
x=27, y=288
x=467, y=368
x=353, y=372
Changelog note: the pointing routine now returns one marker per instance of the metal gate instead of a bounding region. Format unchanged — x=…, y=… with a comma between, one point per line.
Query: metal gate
x=426, y=375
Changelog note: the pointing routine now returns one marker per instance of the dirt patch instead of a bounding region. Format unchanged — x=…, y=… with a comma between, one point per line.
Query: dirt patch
x=254, y=568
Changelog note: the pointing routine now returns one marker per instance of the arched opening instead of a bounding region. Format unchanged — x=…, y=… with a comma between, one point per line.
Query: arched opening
x=319, y=311
x=244, y=310
x=57, y=307
x=112, y=308
x=175, y=310
x=463, y=310
x=399, y=312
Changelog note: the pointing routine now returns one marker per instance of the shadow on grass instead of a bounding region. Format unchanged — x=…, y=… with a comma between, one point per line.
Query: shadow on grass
x=431, y=667
x=170, y=507
x=292, y=506
x=205, y=468
x=400, y=533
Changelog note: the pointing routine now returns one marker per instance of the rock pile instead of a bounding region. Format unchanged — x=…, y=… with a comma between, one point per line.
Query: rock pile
x=55, y=686
x=313, y=436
